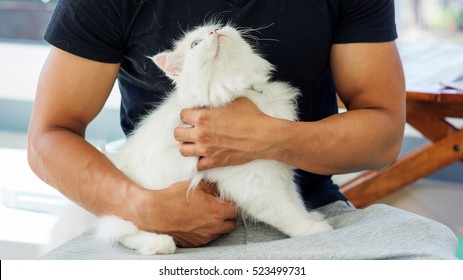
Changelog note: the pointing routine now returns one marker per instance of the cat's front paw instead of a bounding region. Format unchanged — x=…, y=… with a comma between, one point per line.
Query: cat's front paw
x=147, y=243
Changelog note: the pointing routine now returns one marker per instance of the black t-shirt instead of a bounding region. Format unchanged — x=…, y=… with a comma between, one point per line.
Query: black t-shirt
x=294, y=35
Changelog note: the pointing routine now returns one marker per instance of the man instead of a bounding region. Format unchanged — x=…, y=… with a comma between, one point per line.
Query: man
x=321, y=47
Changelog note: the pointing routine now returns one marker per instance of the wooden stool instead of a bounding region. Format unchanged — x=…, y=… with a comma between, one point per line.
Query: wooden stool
x=426, y=111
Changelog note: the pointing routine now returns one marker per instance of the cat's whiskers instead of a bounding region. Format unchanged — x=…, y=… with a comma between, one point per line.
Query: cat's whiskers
x=246, y=33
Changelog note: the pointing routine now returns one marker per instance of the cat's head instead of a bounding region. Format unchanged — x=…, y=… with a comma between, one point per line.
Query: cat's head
x=214, y=63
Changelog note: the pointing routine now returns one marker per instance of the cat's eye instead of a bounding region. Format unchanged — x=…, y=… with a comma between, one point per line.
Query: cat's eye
x=195, y=43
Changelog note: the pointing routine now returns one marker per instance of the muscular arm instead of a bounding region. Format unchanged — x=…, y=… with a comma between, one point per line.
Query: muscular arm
x=369, y=80
x=70, y=93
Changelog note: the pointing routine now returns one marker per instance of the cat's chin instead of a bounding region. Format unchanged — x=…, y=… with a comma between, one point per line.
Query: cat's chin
x=190, y=96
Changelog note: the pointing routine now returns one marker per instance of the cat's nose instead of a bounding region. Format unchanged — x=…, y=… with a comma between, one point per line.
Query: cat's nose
x=215, y=33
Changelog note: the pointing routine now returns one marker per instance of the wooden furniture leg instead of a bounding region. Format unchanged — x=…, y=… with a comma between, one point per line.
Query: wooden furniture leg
x=446, y=147
x=375, y=185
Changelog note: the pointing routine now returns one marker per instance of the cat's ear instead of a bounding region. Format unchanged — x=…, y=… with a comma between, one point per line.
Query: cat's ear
x=170, y=63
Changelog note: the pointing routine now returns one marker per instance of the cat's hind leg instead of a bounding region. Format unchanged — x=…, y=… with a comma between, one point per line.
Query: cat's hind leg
x=277, y=202
x=292, y=219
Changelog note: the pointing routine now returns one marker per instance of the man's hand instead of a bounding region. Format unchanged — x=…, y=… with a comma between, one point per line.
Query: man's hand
x=192, y=218
x=232, y=135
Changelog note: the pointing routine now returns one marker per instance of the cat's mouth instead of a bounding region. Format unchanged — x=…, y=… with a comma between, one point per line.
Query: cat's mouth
x=214, y=41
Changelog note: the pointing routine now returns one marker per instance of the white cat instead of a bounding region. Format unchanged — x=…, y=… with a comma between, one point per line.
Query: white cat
x=210, y=67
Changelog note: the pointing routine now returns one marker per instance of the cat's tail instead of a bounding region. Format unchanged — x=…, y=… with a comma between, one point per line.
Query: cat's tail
x=111, y=228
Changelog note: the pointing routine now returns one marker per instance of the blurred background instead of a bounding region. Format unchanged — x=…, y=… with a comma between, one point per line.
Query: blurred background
x=28, y=207
x=430, y=20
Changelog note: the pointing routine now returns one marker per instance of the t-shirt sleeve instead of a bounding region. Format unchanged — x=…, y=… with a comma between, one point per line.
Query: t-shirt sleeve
x=91, y=29
x=365, y=21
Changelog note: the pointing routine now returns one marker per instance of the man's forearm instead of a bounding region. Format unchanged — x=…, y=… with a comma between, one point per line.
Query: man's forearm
x=353, y=141
x=67, y=162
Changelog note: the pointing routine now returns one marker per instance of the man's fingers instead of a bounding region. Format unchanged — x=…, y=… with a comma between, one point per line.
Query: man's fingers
x=194, y=241
x=183, y=133
x=209, y=188
x=230, y=211
x=205, y=163
x=187, y=149
x=192, y=116
x=228, y=226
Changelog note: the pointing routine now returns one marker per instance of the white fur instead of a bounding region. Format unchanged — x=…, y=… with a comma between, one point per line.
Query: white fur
x=213, y=73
